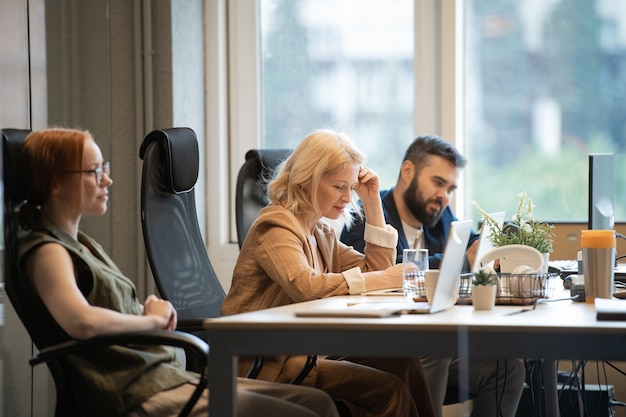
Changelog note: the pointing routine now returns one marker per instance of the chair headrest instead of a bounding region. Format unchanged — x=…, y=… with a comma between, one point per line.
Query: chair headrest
x=12, y=141
x=179, y=150
x=267, y=159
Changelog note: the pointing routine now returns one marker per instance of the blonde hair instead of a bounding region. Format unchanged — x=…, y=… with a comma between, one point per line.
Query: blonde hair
x=298, y=177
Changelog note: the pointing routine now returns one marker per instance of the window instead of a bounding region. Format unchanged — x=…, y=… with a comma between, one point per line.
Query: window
x=544, y=87
x=526, y=89
x=345, y=64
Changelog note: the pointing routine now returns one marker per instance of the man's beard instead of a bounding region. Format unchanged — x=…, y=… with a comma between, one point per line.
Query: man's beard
x=416, y=204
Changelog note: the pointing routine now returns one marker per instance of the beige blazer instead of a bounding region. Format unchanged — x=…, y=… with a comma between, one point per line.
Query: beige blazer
x=276, y=267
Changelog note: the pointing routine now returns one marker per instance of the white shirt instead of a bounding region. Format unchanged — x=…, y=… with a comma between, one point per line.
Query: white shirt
x=411, y=233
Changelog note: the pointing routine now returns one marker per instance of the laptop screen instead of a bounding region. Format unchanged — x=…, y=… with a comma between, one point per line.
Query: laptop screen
x=449, y=279
x=484, y=242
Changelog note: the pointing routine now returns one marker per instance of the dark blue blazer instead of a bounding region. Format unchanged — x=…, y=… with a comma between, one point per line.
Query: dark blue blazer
x=435, y=236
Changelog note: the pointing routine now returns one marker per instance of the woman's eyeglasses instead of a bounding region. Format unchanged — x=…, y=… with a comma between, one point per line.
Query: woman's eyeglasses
x=104, y=169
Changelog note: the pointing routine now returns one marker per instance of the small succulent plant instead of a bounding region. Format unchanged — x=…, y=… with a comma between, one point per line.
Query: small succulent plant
x=484, y=277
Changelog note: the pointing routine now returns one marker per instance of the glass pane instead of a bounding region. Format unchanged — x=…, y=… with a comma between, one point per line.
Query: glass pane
x=345, y=64
x=545, y=87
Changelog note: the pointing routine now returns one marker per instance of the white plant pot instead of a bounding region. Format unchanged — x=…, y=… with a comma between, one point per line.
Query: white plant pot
x=484, y=297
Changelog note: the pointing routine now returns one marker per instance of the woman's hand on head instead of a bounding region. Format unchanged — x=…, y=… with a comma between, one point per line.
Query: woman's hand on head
x=368, y=186
x=161, y=308
x=368, y=190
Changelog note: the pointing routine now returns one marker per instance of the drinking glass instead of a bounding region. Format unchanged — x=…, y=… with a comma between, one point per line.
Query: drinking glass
x=414, y=263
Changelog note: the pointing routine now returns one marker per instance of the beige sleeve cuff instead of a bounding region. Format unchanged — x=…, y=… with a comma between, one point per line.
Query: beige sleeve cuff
x=386, y=237
x=354, y=279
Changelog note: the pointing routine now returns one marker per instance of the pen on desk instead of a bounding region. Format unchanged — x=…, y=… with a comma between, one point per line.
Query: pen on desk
x=523, y=310
x=354, y=303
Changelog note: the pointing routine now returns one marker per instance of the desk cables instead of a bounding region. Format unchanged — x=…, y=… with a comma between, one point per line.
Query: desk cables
x=575, y=297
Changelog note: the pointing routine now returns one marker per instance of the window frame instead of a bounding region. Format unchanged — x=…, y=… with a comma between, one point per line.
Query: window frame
x=234, y=106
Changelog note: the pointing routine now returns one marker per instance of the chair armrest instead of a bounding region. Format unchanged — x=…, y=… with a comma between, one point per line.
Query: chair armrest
x=190, y=325
x=151, y=337
x=191, y=343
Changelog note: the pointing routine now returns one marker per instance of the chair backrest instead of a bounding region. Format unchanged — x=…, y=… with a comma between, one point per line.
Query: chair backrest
x=251, y=192
x=12, y=141
x=176, y=251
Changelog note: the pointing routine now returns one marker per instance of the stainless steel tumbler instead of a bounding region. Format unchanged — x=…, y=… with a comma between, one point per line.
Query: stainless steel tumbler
x=598, y=247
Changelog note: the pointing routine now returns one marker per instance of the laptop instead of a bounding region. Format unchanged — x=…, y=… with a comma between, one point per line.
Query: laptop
x=449, y=280
x=446, y=290
x=484, y=242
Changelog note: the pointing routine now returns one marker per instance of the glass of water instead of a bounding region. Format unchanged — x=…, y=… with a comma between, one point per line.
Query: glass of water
x=414, y=263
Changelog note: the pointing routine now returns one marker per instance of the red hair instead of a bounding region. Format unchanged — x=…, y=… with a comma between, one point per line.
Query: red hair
x=45, y=157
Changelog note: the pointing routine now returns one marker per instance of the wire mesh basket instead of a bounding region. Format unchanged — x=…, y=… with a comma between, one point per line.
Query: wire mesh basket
x=519, y=289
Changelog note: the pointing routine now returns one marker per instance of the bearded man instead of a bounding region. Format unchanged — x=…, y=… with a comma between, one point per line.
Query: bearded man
x=418, y=207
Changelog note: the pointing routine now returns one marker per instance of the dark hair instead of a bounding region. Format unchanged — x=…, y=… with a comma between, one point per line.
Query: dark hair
x=423, y=147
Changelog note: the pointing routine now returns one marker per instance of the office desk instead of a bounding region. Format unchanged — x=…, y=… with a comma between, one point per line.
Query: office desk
x=553, y=331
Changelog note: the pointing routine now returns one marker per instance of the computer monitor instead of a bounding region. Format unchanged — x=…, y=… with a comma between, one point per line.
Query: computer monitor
x=601, y=190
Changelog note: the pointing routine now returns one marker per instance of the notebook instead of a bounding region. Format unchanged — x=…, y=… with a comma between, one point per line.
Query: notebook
x=446, y=290
x=610, y=309
x=484, y=242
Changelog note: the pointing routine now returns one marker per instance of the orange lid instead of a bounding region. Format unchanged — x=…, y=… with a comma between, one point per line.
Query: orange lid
x=597, y=238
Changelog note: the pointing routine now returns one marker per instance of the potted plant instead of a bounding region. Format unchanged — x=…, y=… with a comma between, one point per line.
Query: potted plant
x=522, y=230
x=484, y=290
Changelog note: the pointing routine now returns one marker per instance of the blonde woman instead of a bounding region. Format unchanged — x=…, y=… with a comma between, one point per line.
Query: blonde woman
x=291, y=255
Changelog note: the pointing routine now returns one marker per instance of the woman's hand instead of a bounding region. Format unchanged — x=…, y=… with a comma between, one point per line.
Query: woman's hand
x=161, y=308
x=368, y=186
x=394, y=275
x=368, y=191
x=388, y=278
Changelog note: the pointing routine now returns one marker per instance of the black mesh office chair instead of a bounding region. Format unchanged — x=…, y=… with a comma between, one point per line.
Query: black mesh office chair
x=52, y=355
x=176, y=252
x=251, y=197
x=174, y=245
x=250, y=193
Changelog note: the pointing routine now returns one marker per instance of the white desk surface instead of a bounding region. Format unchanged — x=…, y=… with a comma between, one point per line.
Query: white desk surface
x=552, y=331
x=562, y=316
